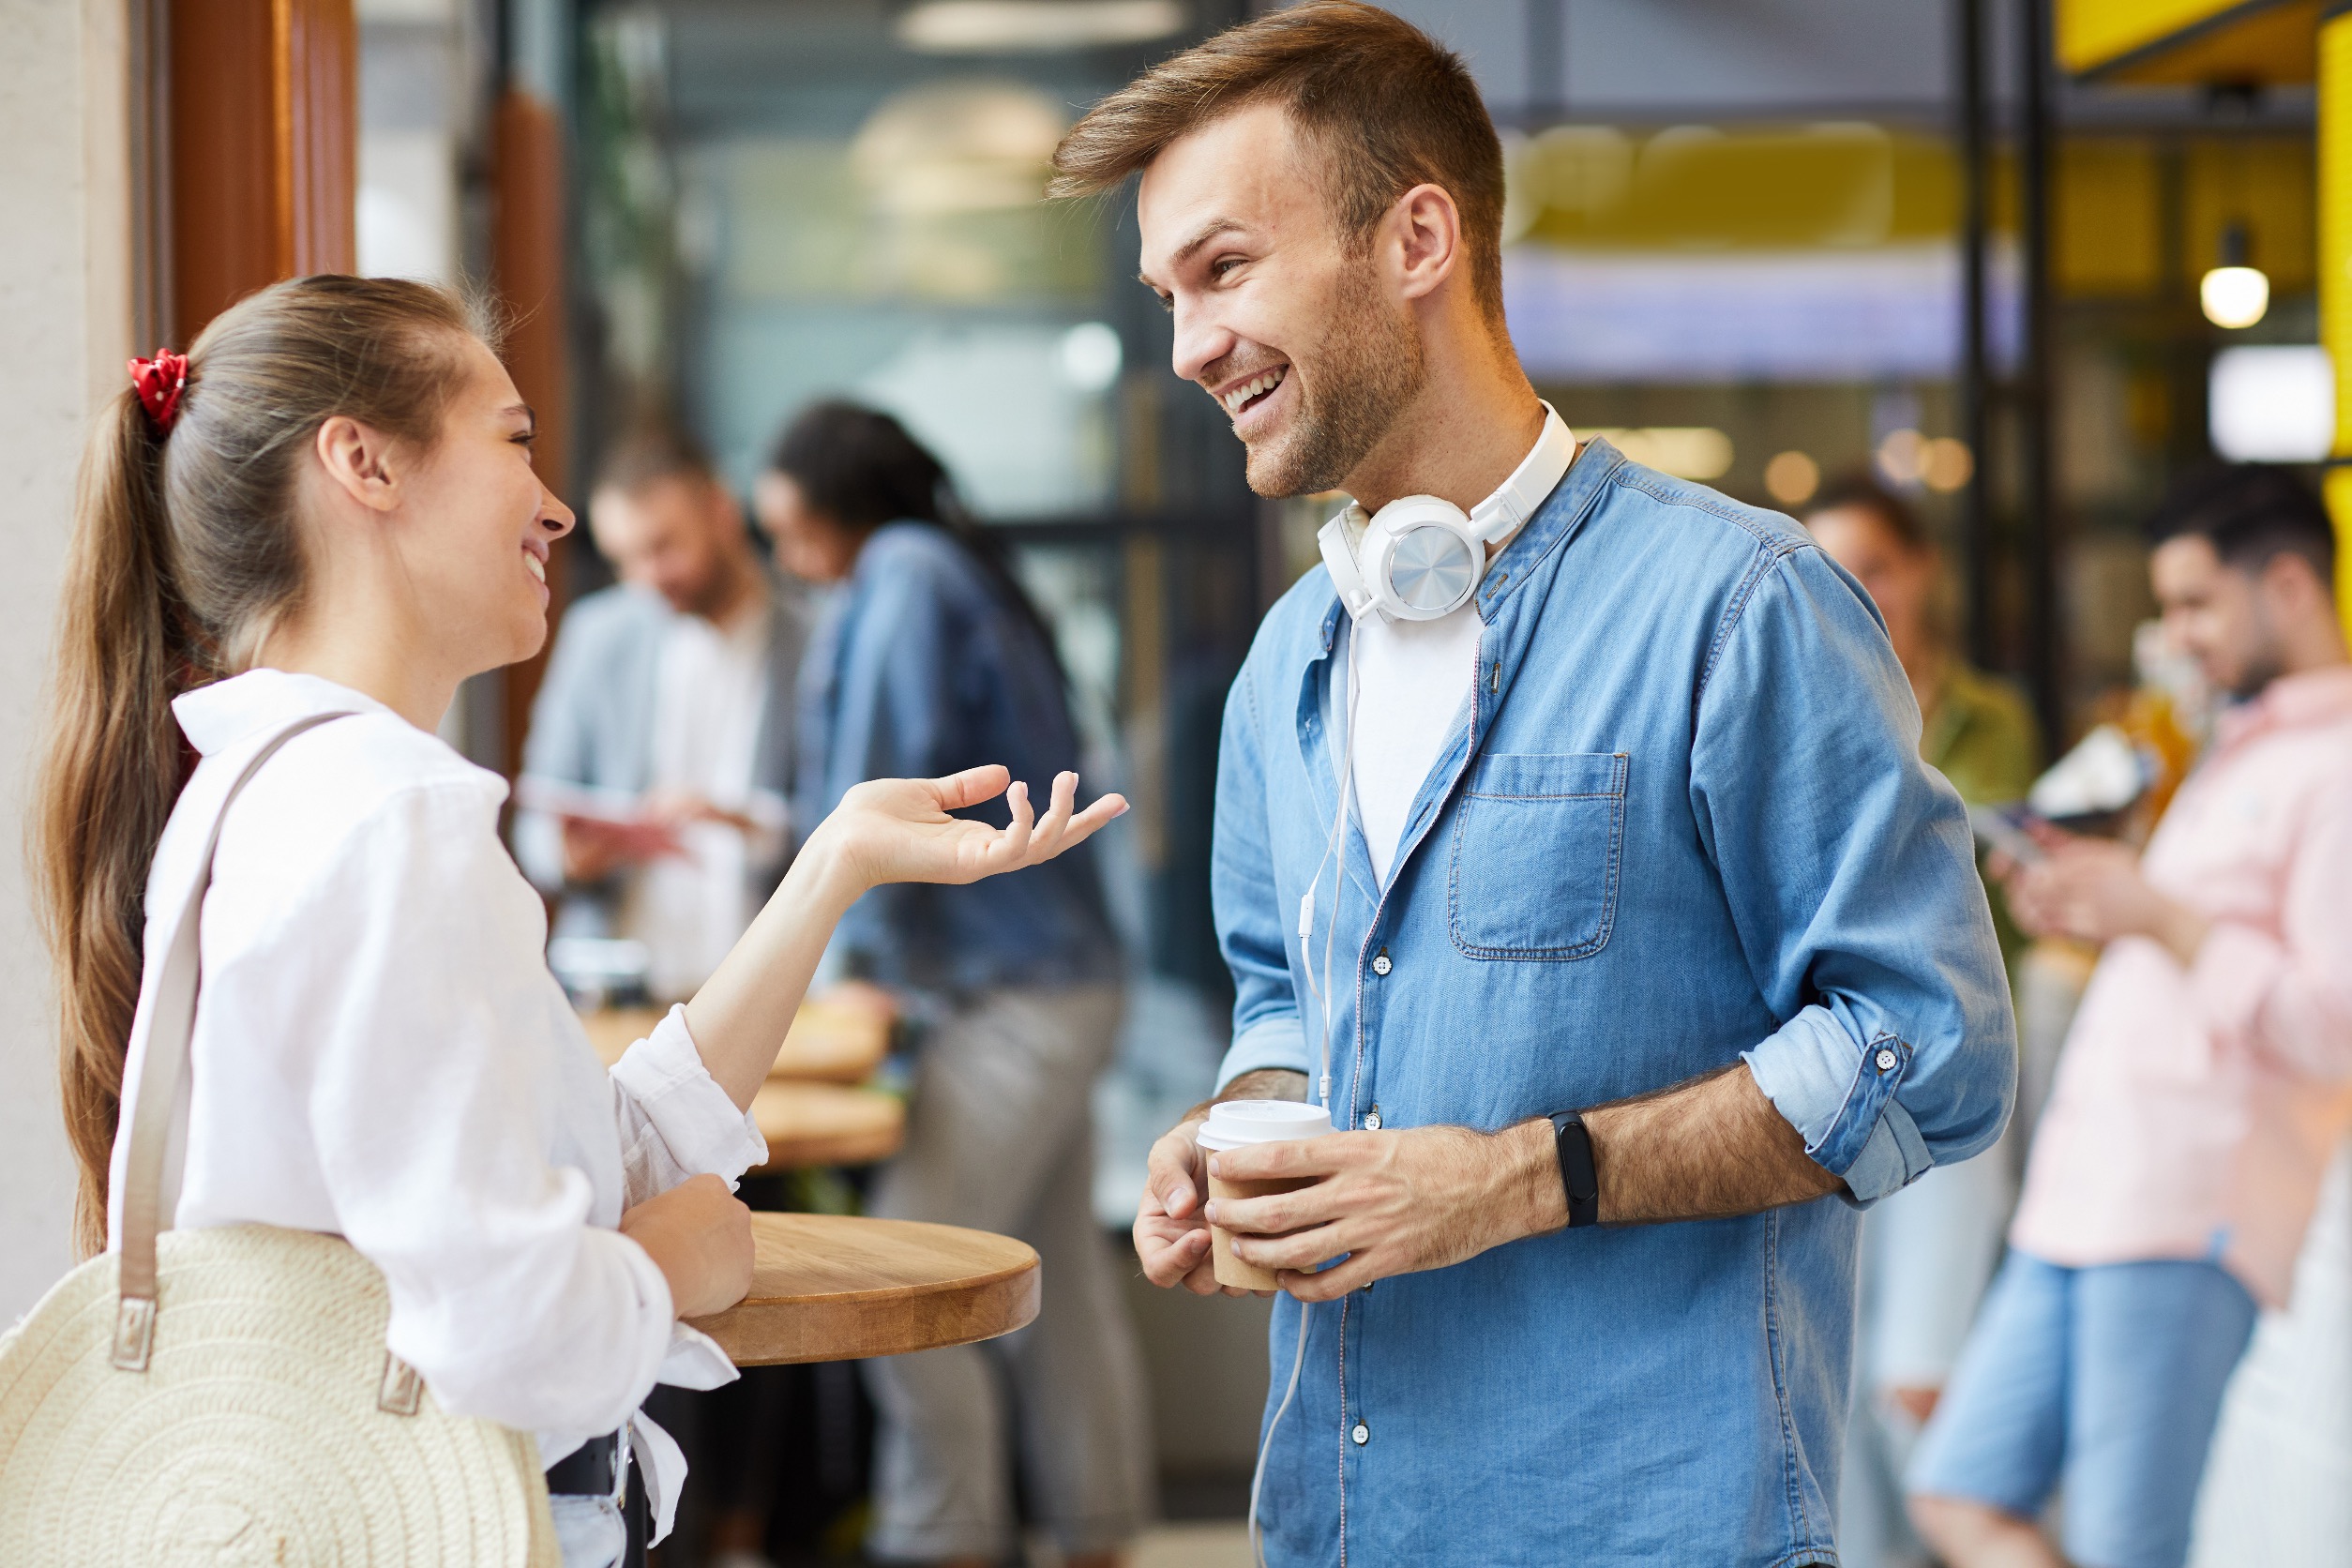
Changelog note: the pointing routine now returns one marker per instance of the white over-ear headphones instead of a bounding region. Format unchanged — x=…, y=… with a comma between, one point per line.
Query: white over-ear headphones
x=1423, y=557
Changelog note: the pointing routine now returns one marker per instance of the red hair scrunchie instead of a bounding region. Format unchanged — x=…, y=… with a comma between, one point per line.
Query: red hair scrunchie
x=160, y=381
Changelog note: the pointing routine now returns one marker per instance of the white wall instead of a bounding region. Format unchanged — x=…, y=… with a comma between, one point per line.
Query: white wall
x=64, y=335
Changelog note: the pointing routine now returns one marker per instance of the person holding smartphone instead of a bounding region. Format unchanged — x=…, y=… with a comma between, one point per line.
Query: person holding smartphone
x=2204, y=1084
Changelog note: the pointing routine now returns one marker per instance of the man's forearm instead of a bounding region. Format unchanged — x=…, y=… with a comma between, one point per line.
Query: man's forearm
x=1265, y=1083
x=1706, y=1149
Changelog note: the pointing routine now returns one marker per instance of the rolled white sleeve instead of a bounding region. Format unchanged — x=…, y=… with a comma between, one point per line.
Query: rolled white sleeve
x=675, y=1122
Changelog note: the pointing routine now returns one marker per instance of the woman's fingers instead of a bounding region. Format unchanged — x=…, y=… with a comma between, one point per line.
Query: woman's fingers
x=1082, y=826
x=1012, y=844
x=1047, y=839
x=1027, y=839
x=1064, y=827
x=971, y=786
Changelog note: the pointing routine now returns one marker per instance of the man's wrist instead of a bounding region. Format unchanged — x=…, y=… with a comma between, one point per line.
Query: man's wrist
x=1580, y=1168
x=1531, y=1174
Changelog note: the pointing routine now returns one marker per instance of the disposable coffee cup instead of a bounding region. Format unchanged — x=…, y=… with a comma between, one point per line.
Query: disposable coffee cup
x=1233, y=1124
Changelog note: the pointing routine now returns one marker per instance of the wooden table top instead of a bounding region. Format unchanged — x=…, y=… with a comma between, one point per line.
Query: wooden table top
x=824, y=1123
x=830, y=1042
x=829, y=1287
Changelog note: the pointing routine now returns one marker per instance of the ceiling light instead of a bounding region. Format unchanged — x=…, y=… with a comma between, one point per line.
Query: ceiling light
x=1946, y=464
x=1036, y=26
x=2272, y=404
x=1902, y=458
x=2235, y=296
x=1090, y=355
x=1791, y=477
x=957, y=146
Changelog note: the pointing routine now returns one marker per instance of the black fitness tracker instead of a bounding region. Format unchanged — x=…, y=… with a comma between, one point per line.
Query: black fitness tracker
x=1578, y=1180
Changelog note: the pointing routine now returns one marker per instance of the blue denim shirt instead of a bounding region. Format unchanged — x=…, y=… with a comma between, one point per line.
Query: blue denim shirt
x=919, y=666
x=1684, y=823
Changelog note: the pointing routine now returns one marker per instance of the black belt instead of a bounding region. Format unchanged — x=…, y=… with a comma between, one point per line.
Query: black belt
x=593, y=1470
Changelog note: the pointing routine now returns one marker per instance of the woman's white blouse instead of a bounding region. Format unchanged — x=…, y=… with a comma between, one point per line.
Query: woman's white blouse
x=380, y=1052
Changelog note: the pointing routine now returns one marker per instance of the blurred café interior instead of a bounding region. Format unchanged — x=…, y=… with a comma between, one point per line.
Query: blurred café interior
x=2022, y=261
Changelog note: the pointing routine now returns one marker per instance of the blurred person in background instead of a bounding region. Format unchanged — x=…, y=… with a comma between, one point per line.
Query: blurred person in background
x=928, y=648
x=660, y=755
x=1927, y=1251
x=2204, y=1083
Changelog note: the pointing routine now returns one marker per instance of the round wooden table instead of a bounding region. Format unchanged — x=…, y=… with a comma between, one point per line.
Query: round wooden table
x=829, y=1287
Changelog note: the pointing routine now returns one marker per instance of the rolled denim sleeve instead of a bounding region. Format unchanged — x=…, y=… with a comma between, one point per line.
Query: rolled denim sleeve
x=1853, y=882
x=1247, y=904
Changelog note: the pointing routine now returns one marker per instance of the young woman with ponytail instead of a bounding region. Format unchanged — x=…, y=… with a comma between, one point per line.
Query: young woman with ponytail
x=328, y=508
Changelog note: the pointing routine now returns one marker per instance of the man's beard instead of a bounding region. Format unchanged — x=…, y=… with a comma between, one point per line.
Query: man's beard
x=2254, y=676
x=2264, y=660
x=1369, y=367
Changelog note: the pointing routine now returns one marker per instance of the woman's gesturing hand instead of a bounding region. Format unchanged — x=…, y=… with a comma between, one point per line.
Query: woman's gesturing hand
x=890, y=830
x=895, y=830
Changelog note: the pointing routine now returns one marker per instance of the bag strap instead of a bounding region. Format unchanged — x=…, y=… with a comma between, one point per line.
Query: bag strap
x=170, y=1022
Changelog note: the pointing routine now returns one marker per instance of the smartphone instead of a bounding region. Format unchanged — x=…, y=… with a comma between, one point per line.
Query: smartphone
x=2002, y=828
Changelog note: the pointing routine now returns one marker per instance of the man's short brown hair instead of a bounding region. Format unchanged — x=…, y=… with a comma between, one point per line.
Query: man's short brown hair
x=1384, y=104
x=649, y=452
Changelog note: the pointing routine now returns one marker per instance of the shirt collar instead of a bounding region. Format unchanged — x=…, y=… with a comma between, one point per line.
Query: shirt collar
x=216, y=717
x=1588, y=473
x=1511, y=503
x=2307, y=697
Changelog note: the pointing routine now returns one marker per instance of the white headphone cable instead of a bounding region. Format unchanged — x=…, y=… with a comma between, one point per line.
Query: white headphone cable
x=1323, y=998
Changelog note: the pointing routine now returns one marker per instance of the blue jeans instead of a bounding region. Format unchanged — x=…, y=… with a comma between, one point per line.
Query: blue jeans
x=2108, y=1378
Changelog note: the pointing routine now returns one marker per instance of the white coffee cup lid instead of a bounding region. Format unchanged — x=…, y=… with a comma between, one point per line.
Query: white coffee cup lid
x=1235, y=1123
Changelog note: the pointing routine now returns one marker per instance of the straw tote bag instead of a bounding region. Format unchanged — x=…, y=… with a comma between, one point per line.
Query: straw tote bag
x=224, y=1396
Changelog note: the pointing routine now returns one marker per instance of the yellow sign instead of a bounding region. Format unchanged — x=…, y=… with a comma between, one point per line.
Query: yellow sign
x=2193, y=42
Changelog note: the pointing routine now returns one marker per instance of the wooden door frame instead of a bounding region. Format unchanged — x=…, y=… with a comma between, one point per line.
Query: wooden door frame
x=256, y=174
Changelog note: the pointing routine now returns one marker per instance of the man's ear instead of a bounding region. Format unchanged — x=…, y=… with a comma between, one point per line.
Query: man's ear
x=1425, y=229
x=2292, y=584
x=359, y=462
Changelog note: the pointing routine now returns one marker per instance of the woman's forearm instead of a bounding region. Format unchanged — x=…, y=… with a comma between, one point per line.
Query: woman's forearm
x=740, y=1016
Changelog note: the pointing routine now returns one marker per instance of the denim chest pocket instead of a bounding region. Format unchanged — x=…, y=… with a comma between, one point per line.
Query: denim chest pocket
x=1538, y=842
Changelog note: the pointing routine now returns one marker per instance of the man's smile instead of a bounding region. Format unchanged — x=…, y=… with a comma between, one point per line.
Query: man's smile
x=1245, y=397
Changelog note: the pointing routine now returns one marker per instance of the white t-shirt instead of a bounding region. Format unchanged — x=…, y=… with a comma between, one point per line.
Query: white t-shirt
x=710, y=689
x=1416, y=676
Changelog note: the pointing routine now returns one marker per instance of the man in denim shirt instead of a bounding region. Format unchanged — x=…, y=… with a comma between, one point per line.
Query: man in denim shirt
x=1673, y=875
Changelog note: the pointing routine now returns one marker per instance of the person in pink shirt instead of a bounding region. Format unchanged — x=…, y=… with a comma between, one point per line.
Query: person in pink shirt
x=2203, y=1086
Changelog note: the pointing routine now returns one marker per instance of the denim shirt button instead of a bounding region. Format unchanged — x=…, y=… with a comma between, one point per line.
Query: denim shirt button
x=1380, y=965
x=1886, y=1060
x=1372, y=1119
x=1362, y=1435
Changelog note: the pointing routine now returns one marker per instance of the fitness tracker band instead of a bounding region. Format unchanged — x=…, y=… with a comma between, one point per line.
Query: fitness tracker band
x=1578, y=1179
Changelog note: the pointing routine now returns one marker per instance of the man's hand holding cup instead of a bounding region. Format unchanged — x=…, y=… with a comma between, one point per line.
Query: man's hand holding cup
x=1174, y=1242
